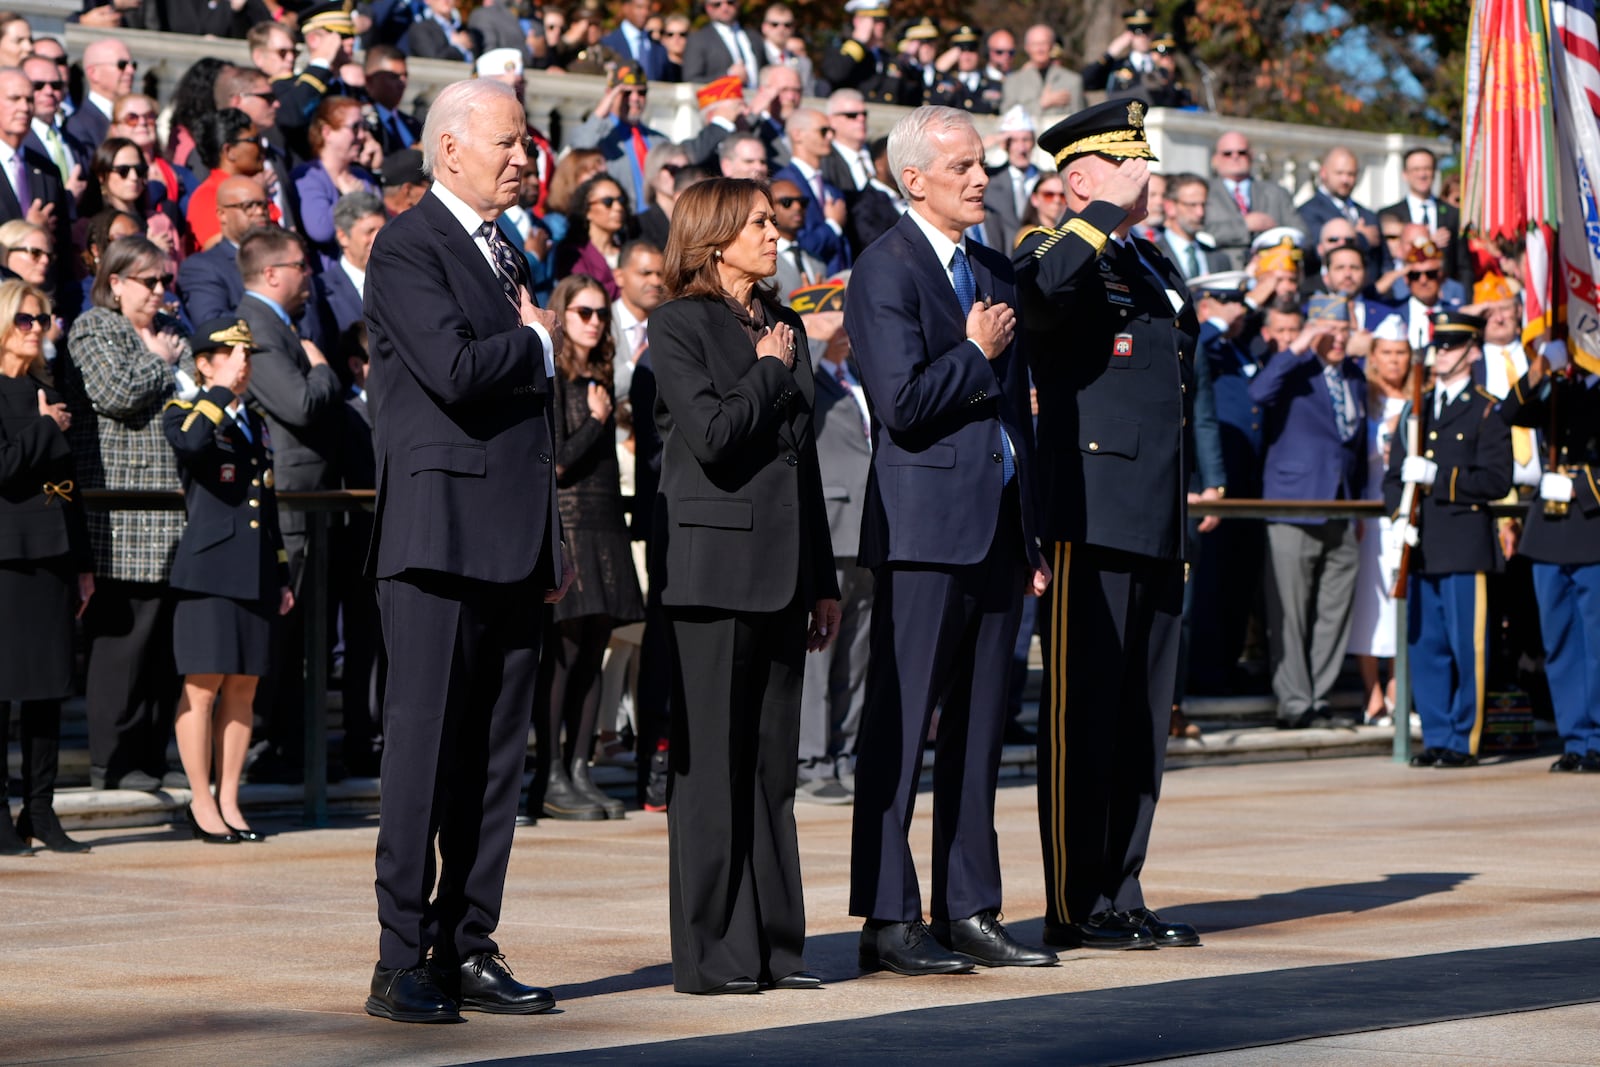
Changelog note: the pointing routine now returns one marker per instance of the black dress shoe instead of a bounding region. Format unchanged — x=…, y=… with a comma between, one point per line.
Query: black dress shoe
x=246, y=834
x=1426, y=758
x=483, y=982
x=797, y=980
x=229, y=838
x=732, y=985
x=1102, y=930
x=907, y=948
x=1591, y=762
x=1166, y=934
x=410, y=995
x=984, y=941
x=1569, y=763
x=1450, y=759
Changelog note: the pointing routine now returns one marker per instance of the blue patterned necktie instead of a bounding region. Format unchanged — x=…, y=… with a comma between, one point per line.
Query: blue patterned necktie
x=967, y=294
x=504, y=260
x=1342, y=420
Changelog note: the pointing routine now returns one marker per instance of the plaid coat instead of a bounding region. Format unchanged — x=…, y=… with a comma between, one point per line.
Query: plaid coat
x=117, y=389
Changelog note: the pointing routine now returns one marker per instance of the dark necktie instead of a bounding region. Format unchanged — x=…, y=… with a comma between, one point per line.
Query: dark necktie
x=966, y=285
x=1342, y=416
x=505, y=262
x=799, y=262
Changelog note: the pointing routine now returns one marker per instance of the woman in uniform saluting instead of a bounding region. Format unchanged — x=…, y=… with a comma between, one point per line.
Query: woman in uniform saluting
x=230, y=572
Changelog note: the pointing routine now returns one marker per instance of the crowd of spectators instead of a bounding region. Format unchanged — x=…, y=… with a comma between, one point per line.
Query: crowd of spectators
x=256, y=191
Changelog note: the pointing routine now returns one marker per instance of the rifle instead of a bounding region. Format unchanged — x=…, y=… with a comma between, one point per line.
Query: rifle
x=1410, y=499
x=1553, y=508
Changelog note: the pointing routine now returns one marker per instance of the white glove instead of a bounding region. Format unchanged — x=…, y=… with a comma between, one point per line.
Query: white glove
x=1407, y=533
x=1418, y=471
x=1557, y=487
x=1555, y=353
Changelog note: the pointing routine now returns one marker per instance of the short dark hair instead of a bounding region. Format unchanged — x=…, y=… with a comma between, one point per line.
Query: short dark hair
x=1327, y=259
x=354, y=206
x=1419, y=151
x=261, y=247
x=122, y=255
x=235, y=81
x=637, y=247
x=684, y=177
x=382, y=53
x=1182, y=180
x=218, y=130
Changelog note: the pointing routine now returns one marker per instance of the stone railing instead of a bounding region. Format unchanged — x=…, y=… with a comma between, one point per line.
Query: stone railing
x=1182, y=140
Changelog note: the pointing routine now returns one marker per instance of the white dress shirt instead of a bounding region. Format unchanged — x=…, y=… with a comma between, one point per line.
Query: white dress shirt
x=841, y=373
x=471, y=221
x=738, y=43
x=1424, y=211
x=1180, y=254
x=7, y=157
x=357, y=276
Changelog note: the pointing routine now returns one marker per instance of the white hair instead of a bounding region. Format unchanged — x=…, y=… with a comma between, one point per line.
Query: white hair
x=452, y=111
x=911, y=142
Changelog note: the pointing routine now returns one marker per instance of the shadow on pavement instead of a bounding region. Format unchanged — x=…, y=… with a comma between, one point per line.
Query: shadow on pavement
x=1345, y=898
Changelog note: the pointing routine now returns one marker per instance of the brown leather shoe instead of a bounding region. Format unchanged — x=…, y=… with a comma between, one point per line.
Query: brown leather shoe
x=1181, y=726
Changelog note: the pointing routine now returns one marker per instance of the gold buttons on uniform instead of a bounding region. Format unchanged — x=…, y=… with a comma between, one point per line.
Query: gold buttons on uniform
x=255, y=483
x=254, y=524
x=1433, y=435
x=1094, y=446
x=1428, y=454
x=1461, y=437
x=254, y=502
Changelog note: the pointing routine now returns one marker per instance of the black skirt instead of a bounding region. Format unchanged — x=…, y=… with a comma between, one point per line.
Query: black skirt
x=219, y=635
x=37, y=601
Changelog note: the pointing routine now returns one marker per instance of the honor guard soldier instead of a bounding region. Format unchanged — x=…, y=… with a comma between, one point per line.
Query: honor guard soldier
x=967, y=86
x=1465, y=465
x=1562, y=538
x=1127, y=59
x=328, y=30
x=860, y=61
x=1110, y=335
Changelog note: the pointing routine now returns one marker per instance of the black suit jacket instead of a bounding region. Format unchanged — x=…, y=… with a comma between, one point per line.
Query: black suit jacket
x=740, y=523
x=88, y=124
x=1457, y=262
x=706, y=58
x=35, y=525
x=460, y=410
x=44, y=184
x=344, y=303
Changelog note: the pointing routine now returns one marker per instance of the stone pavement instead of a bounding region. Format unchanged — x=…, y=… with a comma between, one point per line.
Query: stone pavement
x=1354, y=912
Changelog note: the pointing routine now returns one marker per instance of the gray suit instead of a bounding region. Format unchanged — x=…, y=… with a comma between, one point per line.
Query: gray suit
x=1215, y=259
x=1001, y=220
x=835, y=680
x=1225, y=222
x=788, y=278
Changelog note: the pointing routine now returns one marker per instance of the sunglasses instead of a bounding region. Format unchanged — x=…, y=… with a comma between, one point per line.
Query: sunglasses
x=606, y=201
x=138, y=118
x=674, y=33
x=163, y=281
x=1002, y=51
x=1424, y=275
x=271, y=97
x=25, y=322
x=121, y=64
x=296, y=264
x=1230, y=153
x=1341, y=242
x=589, y=314
x=32, y=253
x=720, y=3
x=286, y=53
x=826, y=131
x=1051, y=196
x=790, y=201
x=849, y=114
x=131, y=170
x=55, y=86
x=779, y=25
x=250, y=205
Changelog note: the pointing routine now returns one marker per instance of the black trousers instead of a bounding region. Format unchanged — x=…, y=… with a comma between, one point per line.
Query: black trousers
x=463, y=661
x=132, y=683
x=737, y=910
x=1111, y=636
x=939, y=635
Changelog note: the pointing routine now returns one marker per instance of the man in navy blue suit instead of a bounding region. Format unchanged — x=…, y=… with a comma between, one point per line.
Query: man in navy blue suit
x=822, y=233
x=1315, y=403
x=357, y=218
x=466, y=550
x=948, y=533
x=630, y=41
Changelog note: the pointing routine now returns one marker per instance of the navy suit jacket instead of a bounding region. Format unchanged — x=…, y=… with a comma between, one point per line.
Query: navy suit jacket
x=88, y=124
x=208, y=282
x=343, y=301
x=1239, y=418
x=816, y=236
x=460, y=412
x=935, y=491
x=654, y=58
x=1305, y=459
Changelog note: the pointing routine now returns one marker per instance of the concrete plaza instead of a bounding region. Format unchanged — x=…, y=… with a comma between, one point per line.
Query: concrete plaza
x=1354, y=912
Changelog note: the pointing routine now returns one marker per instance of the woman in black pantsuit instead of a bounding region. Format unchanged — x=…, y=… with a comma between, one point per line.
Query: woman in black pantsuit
x=44, y=565
x=231, y=574
x=745, y=557
x=605, y=594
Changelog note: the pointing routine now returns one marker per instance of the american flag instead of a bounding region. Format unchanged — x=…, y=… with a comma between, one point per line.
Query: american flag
x=1575, y=67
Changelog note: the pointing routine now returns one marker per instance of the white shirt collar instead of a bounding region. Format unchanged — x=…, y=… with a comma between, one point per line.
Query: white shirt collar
x=1454, y=390
x=469, y=219
x=623, y=318
x=41, y=128
x=7, y=154
x=807, y=171
x=101, y=102
x=357, y=277
x=1175, y=240
x=943, y=247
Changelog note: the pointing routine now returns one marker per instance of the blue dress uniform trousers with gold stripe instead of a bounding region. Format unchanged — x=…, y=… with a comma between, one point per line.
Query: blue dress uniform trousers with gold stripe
x=1447, y=608
x=1113, y=363
x=230, y=565
x=1564, y=545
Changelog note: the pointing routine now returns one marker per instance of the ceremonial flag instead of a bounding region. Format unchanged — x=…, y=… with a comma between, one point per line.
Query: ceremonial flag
x=1575, y=66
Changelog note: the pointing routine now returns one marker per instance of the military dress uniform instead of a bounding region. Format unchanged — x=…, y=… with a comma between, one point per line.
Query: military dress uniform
x=300, y=94
x=1446, y=594
x=1564, y=544
x=231, y=567
x=980, y=97
x=1110, y=335
x=872, y=72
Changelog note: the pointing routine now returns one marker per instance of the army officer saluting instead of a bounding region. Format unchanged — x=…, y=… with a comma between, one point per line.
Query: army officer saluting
x=230, y=571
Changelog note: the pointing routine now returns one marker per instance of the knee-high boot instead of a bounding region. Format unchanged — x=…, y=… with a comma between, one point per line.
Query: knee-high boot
x=41, y=759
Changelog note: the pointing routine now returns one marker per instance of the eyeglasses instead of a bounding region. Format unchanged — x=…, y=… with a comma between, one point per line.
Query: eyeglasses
x=266, y=97
x=1002, y=51
x=55, y=86
x=826, y=131
x=285, y=53
x=32, y=253
x=1424, y=275
x=1050, y=196
x=297, y=264
x=1139, y=31
x=248, y=206
x=1192, y=205
x=589, y=314
x=242, y=140
x=1392, y=236
x=779, y=25
x=1340, y=242
x=25, y=322
x=787, y=202
x=721, y=3
x=121, y=64
x=131, y=170
x=1229, y=153
x=151, y=282
x=606, y=201
x=138, y=118
x=674, y=33
x=849, y=114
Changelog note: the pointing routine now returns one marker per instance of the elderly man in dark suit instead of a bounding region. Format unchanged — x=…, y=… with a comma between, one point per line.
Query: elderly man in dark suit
x=1239, y=206
x=31, y=187
x=1315, y=405
x=466, y=549
x=931, y=320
